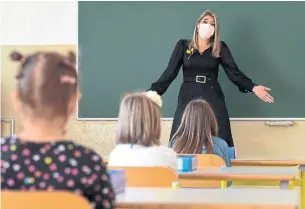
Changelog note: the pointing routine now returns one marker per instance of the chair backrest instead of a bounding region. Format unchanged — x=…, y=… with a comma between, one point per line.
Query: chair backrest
x=42, y=200
x=204, y=161
x=210, y=160
x=148, y=176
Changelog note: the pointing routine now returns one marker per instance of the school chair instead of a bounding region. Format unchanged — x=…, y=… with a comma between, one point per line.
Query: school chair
x=205, y=161
x=42, y=200
x=208, y=160
x=148, y=176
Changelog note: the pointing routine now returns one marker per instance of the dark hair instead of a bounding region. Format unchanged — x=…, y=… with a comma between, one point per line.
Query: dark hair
x=196, y=130
x=46, y=82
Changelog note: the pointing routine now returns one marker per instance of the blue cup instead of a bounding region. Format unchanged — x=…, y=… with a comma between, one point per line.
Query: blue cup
x=187, y=163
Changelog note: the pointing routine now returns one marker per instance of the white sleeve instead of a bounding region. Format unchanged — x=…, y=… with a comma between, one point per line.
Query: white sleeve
x=172, y=159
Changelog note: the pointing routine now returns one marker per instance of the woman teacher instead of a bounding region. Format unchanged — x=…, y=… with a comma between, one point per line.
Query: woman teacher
x=200, y=58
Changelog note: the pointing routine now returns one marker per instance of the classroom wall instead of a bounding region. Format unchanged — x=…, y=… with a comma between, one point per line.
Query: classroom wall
x=29, y=26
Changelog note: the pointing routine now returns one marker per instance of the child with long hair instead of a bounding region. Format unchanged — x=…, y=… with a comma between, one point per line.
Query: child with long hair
x=197, y=133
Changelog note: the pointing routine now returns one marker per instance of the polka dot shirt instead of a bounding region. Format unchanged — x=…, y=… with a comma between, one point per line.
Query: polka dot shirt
x=61, y=165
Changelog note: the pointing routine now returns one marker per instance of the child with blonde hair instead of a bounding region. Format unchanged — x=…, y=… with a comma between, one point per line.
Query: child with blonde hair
x=138, y=133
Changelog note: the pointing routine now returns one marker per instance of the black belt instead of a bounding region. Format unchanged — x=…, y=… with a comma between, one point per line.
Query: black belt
x=200, y=79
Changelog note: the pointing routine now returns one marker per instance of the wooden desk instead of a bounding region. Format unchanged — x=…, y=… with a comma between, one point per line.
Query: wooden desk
x=265, y=162
x=262, y=162
x=282, y=163
x=285, y=175
x=166, y=198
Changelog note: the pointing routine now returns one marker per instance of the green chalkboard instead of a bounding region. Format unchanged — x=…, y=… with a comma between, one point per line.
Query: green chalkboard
x=125, y=46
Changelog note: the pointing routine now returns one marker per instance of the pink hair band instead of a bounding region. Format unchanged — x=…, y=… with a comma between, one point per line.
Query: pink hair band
x=67, y=79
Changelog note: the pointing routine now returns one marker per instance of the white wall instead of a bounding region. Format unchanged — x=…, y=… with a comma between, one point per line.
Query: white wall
x=38, y=23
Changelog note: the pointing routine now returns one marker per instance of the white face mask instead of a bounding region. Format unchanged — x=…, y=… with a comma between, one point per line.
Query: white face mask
x=206, y=31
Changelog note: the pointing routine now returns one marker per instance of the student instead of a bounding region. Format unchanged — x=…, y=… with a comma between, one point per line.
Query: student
x=197, y=133
x=138, y=134
x=40, y=157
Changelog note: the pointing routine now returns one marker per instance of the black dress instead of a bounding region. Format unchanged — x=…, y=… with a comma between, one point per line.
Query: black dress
x=200, y=73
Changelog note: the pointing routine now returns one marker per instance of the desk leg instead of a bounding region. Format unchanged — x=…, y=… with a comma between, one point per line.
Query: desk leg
x=224, y=185
x=302, y=169
x=286, y=184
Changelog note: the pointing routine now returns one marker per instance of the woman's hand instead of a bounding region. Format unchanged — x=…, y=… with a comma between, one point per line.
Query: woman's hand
x=154, y=96
x=262, y=93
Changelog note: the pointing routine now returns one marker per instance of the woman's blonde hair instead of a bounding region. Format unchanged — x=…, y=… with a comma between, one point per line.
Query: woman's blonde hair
x=139, y=121
x=214, y=40
x=197, y=128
